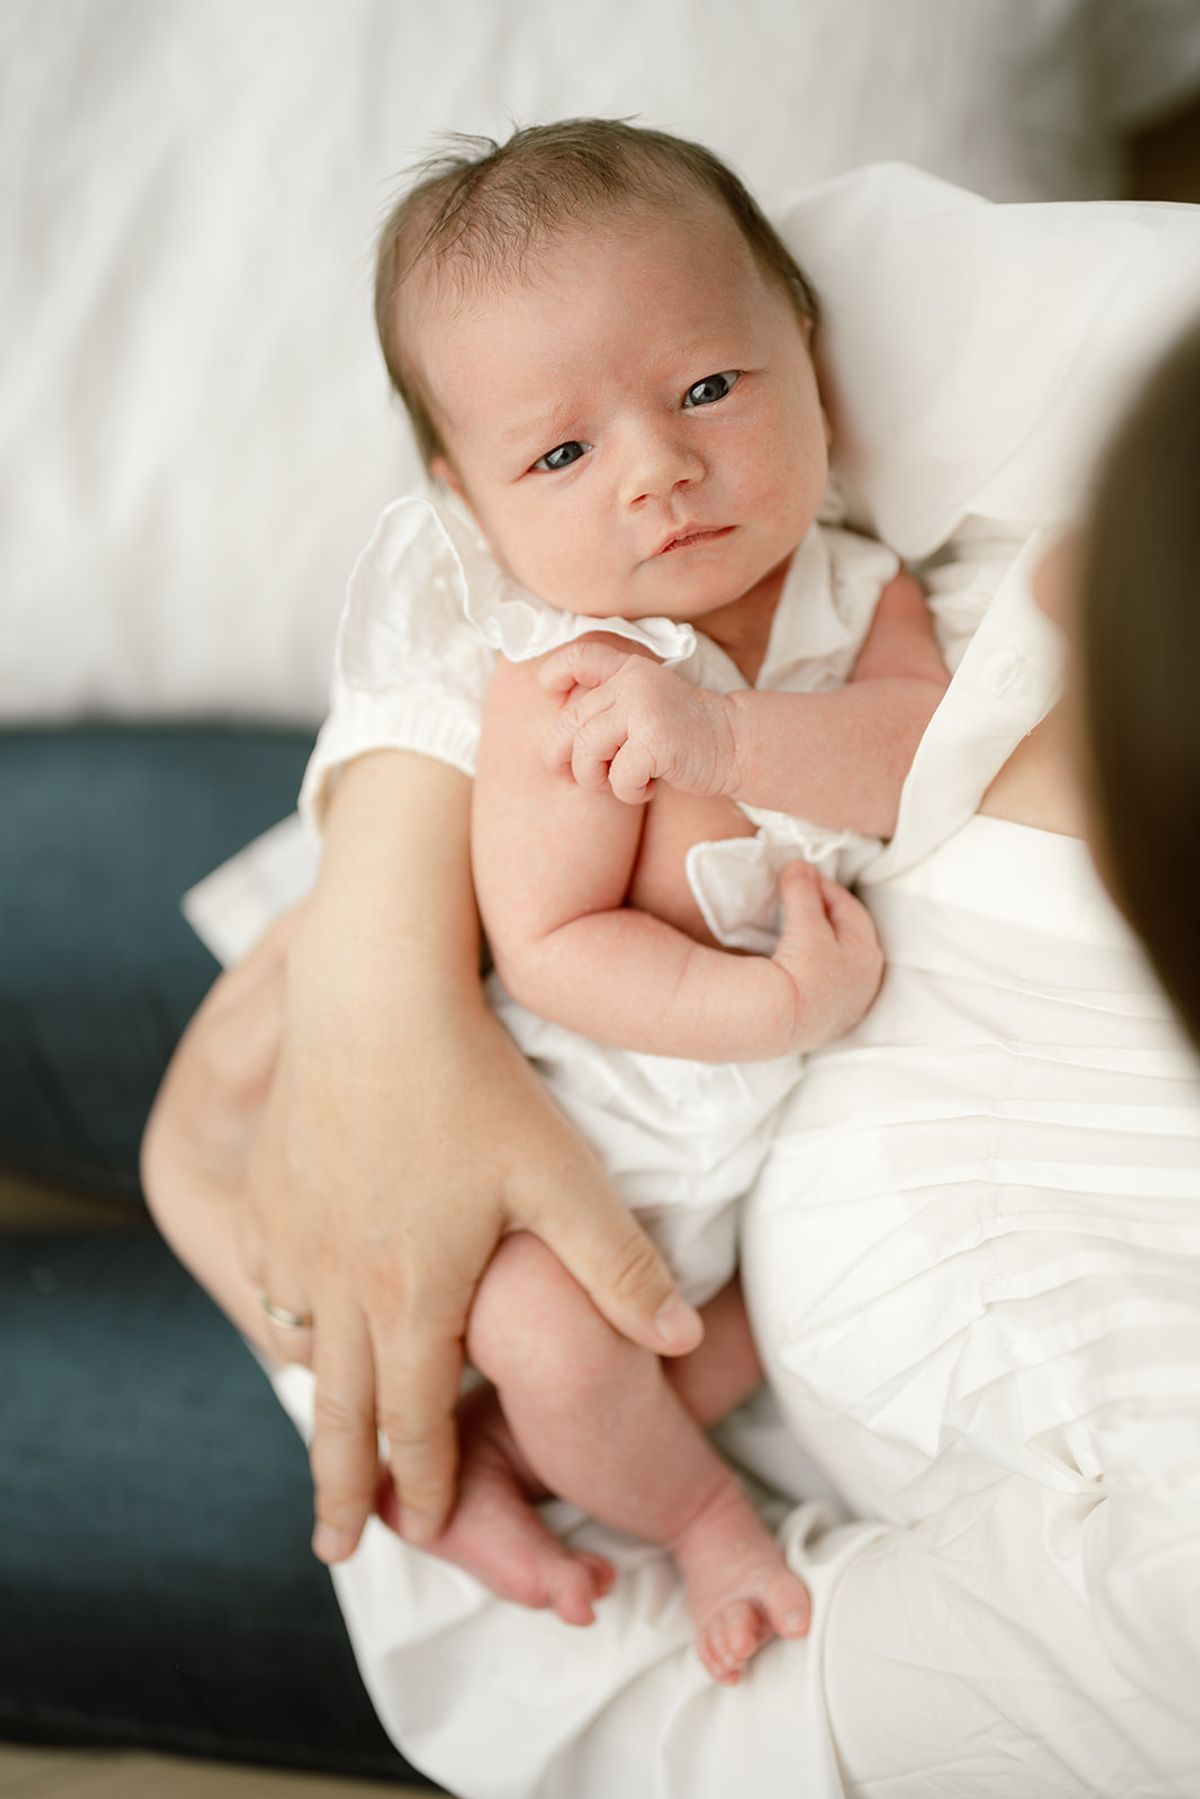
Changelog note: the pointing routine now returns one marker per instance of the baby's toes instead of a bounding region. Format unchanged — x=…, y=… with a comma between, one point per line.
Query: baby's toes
x=713, y=1660
x=733, y=1634
x=787, y=1604
x=602, y=1572
x=571, y=1589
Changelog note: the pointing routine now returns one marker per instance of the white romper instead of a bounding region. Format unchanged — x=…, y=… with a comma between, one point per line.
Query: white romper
x=682, y=1140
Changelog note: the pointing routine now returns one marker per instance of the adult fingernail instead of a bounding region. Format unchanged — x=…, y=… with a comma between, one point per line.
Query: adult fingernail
x=330, y=1545
x=676, y=1322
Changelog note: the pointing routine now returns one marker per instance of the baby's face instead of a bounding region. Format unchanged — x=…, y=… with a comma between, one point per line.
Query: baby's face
x=636, y=427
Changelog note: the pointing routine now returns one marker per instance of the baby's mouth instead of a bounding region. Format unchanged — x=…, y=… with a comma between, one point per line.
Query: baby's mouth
x=686, y=540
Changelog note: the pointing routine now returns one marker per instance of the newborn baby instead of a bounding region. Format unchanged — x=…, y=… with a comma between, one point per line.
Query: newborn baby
x=700, y=717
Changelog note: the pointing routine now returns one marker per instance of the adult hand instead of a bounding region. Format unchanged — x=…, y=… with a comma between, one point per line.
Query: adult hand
x=403, y=1135
x=387, y=1169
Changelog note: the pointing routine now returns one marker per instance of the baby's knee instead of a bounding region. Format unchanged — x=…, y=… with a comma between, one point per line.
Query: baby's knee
x=531, y=1318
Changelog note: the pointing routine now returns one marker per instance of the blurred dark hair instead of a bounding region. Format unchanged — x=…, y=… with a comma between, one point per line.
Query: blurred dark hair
x=1139, y=658
x=480, y=209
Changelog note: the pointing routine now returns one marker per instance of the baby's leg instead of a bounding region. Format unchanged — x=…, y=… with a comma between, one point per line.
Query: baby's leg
x=598, y=1422
x=494, y=1531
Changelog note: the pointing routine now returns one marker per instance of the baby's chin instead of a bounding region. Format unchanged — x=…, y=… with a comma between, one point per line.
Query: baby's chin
x=685, y=611
x=629, y=605
x=680, y=585
x=685, y=602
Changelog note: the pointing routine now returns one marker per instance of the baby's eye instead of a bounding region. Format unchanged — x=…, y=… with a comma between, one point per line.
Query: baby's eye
x=712, y=388
x=561, y=457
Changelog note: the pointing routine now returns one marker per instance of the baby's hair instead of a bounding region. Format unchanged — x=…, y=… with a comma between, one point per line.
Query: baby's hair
x=480, y=209
x=1139, y=632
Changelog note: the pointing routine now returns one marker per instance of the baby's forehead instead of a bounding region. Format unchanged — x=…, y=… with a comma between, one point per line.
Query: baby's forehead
x=454, y=283
x=640, y=290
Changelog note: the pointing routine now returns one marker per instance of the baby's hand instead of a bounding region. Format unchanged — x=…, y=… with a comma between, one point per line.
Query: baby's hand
x=627, y=722
x=830, y=950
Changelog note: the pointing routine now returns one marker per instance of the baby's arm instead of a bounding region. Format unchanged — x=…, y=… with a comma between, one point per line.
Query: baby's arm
x=839, y=758
x=552, y=869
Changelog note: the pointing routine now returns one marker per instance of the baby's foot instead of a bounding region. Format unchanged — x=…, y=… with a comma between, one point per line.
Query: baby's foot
x=495, y=1534
x=740, y=1590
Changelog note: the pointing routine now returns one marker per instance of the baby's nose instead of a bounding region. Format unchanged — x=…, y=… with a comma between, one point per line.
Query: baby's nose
x=659, y=462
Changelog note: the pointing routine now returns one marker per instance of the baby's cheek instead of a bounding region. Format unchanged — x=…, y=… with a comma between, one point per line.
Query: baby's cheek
x=789, y=503
x=574, y=576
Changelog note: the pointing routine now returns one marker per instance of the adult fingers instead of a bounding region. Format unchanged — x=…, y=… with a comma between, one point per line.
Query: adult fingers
x=417, y=1370
x=344, y=1452
x=251, y=1253
x=598, y=1239
x=287, y=1315
x=282, y=1290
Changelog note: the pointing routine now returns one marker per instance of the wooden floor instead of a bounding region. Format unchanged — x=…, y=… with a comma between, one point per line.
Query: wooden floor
x=121, y=1774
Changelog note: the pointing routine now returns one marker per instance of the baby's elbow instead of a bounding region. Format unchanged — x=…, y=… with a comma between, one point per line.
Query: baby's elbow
x=515, y=964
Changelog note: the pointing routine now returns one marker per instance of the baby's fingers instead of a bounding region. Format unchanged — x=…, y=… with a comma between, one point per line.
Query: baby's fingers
x=562, y=742
x=631, y=773
x=857, y=939
x=847, y=916
x=580, y=664
x=801, y=892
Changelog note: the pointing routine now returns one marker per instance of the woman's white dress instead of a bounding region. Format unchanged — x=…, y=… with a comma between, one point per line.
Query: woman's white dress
x=973, y=1264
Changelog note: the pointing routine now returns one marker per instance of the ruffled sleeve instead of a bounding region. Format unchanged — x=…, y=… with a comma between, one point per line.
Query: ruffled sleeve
x=410, y=672
x=427, y=610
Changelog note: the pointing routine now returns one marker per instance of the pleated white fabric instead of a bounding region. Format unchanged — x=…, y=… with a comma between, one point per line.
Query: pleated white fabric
x=974, y=1266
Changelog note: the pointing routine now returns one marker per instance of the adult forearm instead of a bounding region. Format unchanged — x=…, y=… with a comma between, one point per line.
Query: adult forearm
x=393, y=908
x=838, y=758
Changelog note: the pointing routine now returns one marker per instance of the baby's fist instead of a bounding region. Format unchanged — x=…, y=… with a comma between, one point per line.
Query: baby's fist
x=829, y=948
x=627, y=722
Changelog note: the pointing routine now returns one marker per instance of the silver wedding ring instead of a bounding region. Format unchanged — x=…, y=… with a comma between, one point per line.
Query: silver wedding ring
x=280, y=1315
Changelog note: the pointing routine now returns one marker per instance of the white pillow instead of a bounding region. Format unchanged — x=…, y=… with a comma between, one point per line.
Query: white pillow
x=195, y=436
x=975, y=355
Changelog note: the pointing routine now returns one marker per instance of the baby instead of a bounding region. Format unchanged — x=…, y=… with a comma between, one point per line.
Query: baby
x=704, y=705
